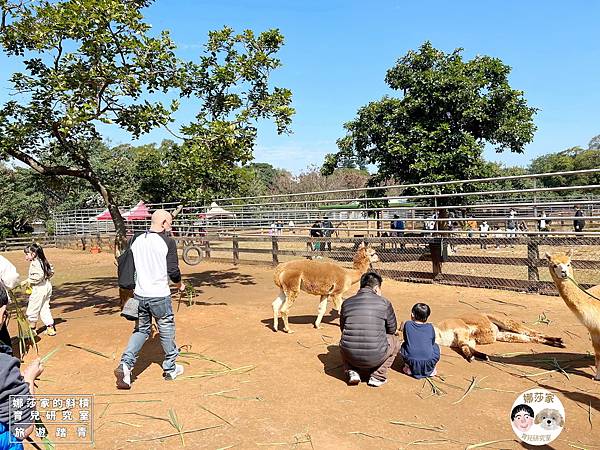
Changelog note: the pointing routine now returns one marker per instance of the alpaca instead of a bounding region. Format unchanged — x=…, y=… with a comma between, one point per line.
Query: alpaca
x=582, y=303
x=463, y=332
x=323, y=278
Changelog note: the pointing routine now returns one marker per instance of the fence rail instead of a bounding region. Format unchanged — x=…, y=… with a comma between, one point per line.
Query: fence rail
x=517, y=264
x=20, y=242
x=484, y=233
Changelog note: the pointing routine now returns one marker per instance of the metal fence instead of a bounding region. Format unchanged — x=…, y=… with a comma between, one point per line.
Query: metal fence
x=423, y=233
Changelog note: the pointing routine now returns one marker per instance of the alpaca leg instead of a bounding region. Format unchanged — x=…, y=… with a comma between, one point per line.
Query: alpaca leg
x=337, y=301
x=596, y=344
x=468, y=351
x=322, y=308
x=508, y=336
x=285, y=309
x=506, y=324
x=279, y=300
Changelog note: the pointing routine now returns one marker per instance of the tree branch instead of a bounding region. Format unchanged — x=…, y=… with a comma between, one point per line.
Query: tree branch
x=46, y=170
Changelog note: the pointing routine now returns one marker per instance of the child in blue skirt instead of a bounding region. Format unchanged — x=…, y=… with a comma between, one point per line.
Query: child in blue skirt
x=419, y=350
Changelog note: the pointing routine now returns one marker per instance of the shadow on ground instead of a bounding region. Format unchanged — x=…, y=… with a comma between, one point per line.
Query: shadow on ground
x=328, y=320
x=102, y=294
x=569, y=362
x=333, y=366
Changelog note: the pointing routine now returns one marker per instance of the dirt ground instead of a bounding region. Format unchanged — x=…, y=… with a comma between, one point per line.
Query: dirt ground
x=290, y=391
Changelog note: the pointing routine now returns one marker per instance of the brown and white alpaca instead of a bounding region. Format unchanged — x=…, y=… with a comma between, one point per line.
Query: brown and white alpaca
x=464, y=332
x=582, y=303
x=324, y=278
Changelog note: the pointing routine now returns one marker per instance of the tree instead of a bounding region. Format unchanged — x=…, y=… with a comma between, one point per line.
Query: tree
x=437, y=129
x=594, y=143
x=574, y=158
x=21, y=202
x=92, y=62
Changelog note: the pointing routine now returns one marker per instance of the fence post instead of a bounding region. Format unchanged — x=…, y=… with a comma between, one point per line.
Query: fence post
x=275, y=250
x=533, y=254
x=207, y=249
x=236, y=248
x=436, y=246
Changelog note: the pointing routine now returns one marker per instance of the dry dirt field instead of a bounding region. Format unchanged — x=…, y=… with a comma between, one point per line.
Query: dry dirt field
x=290, y=391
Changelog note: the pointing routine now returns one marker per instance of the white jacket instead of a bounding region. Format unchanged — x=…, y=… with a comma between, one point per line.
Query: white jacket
x=8, y=273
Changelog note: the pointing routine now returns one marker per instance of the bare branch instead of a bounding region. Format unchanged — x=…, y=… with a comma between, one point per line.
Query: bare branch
x=46, y=170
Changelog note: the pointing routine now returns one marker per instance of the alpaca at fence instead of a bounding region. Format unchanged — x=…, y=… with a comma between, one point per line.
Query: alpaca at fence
x=324, y=278
x=464, y=332
x=582, y=303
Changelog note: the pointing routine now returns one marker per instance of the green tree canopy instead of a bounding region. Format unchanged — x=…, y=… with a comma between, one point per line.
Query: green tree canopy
x=436, y=130
x=93, y=62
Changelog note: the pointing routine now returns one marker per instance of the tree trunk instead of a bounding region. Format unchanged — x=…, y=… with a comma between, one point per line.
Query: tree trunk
x=113, y=208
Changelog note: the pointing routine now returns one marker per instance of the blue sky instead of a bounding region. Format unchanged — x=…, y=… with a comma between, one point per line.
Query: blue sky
x=337, y=52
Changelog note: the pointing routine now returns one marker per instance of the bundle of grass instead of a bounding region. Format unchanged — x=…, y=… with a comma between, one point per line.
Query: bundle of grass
x=26, y=334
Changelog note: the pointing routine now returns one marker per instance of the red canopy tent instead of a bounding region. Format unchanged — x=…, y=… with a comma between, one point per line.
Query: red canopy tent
x=138, y=212
x=104, y=215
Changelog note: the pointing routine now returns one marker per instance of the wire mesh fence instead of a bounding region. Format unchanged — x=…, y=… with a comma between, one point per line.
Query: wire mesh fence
x=490, y=233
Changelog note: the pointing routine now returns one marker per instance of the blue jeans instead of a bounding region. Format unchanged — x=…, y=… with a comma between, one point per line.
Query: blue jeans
x=6, y=437
x=162, y=310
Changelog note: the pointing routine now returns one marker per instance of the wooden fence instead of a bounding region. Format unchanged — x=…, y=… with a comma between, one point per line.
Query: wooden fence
x=419, y=259
x=20, y=242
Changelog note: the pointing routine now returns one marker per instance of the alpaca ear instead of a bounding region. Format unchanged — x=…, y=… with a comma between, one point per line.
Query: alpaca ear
x=548, y=256
x=362, y=245
x=570, y=253
x=538, y=418
x=561, y=421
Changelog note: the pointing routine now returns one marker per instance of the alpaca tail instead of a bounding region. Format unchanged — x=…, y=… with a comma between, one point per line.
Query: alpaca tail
x=276, y=275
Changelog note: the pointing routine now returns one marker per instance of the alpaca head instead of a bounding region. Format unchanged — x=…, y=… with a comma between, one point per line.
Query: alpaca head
x=365, y=253
x=560, y=265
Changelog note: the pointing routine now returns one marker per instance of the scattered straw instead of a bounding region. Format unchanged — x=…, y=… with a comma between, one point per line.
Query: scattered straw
x=177, y=424
x=372, y=436
x=507, y=303
x=485, y=444
x=203, y=357
x=217, y=373
x=164, y=436
x=123, y=423
x=130, y=401
x=435, y=389
x=144, y=415
x=467, y=303
x=216, y=415
x=430, y=442
x=89, y=350
x=469, y=389
x=437, y=429
x=49, y=355
x=542, y=318
x=107, y=394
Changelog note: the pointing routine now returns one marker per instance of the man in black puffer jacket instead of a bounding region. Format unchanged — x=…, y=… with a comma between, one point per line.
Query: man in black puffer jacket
x=369, y=331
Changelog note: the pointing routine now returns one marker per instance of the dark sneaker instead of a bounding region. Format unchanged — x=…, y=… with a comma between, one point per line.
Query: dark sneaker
x=169, y=376
x=353, y=378
x=123, y=374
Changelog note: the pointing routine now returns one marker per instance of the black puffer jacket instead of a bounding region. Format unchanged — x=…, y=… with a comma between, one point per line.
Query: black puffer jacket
x=365, y=320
